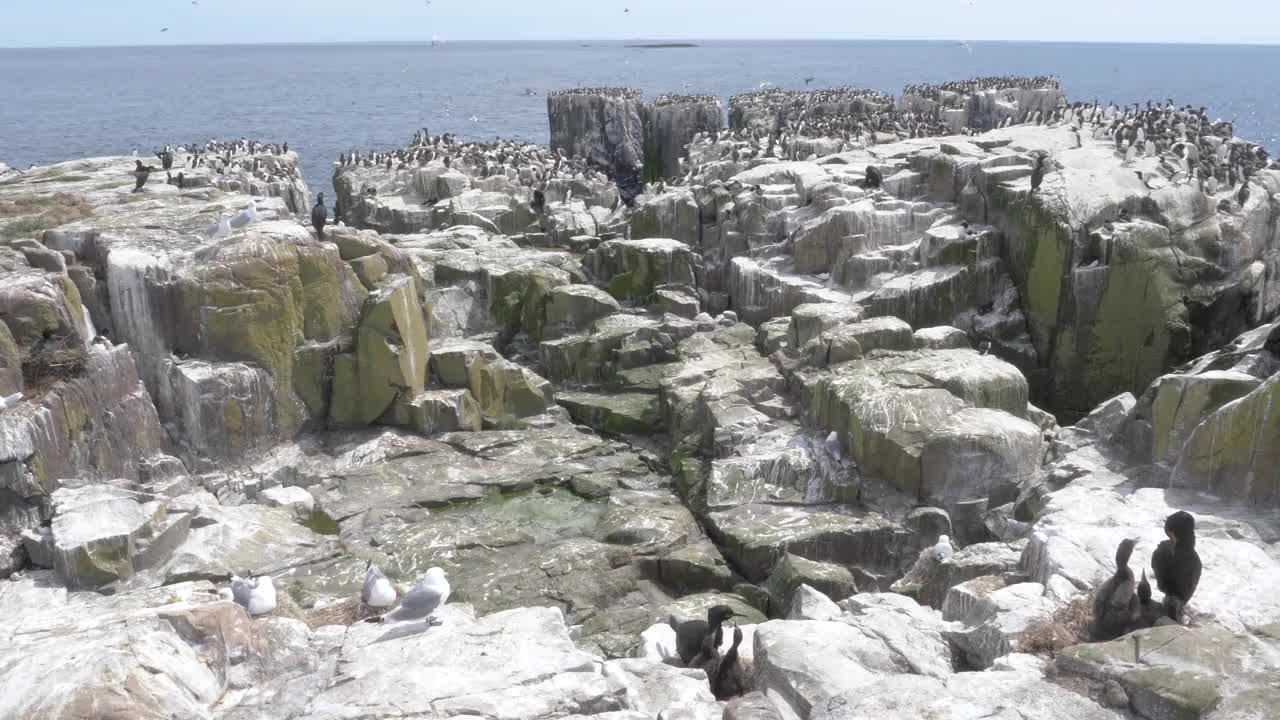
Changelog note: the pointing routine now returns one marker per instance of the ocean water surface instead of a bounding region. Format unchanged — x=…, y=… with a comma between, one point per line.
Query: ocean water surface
x=60, y=104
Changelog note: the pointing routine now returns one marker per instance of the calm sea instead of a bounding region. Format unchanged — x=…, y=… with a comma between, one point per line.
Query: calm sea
x=325, y=99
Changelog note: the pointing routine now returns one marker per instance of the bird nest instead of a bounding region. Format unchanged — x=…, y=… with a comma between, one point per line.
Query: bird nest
x=1069, y=626
x=52, y=362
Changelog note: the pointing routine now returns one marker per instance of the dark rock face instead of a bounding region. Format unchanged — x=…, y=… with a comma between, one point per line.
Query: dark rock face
x=606, y=128
x=670, y=124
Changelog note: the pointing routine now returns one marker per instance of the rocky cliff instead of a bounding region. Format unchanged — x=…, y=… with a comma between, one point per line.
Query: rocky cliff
x=773, y=384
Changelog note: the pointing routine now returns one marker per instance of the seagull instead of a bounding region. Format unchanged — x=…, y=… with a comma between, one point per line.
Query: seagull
x=943, y=549
x=246, y=216
x=378, y=592
x=424, y=599
x=257, y=595
x=10, y=402
x=219, y=229
x=808, y=80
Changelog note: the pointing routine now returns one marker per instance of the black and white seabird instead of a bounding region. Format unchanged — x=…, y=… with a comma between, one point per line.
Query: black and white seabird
x=319, y=214
x=1037, y=174
x=1115, y=604
x=1176, y=563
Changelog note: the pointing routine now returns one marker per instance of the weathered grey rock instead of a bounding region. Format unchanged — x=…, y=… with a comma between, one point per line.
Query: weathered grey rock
x=940, y=338
x=1231, y=451
x=390, y=358
x=500, y=388
x=605, y=129
x=619, y=414
x=1106, y=419
x=1077, y=534
x=807, y=603
x=802, y=664
x=962, y=696
x=101, y=534
x=651, y=688
x=436, y=411
x=632, y=269
x=670, y=124
x=994, y=615
x=754, y=535
x=929, y=579
x=811, y=320
x=100, y=424
x=1203, y=672
x=752, y=706
x=792, y=571
x=941, y=424
x=674, y=214
x=294, y=498
x=533, y=672
x=575, y=307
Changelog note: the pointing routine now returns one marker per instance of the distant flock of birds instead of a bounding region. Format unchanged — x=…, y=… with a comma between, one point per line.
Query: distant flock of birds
x=932, y=91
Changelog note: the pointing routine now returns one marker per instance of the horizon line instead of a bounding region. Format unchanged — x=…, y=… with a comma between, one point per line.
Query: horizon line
x=620, y=41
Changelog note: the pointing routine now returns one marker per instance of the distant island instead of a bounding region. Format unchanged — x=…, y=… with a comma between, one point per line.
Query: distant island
x=664, y=45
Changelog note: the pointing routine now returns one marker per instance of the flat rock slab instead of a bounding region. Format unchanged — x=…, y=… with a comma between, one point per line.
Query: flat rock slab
x=963, y=696
x=755, y=535
x=409, y=669
x=1082, y=524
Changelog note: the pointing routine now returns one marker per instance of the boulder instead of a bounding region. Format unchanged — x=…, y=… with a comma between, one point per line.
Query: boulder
x=632, y=269
x=390, y=358
x=575, y=307
x=962, y=696
x=604, y=128
x=1201, y=672
x=807, y=603
x=754, y=535
x=1183, y=401
x=101, y=534
x=619, y=414
x=1230, y=451
x=942, y=337
x=792, y=571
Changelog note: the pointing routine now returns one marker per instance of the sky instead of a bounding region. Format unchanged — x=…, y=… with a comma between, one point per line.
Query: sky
x=47, y=23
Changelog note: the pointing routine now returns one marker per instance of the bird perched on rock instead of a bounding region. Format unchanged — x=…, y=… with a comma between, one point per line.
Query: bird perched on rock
x=140, y=174
x=943, y=549
x=378, y=592
x=1176, y=563
x=166, y=158
x=873, y=179
x=731, y=678
x=220, y=228
x=319, y=215
x=1242, y=197
x=691, y=633
x=245, y=216
x=421, y=602
x=257, y=595
x=1115, y=605
x=539, y=202
x=1149, y=612
x=8, y=402
x=1037, y=173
